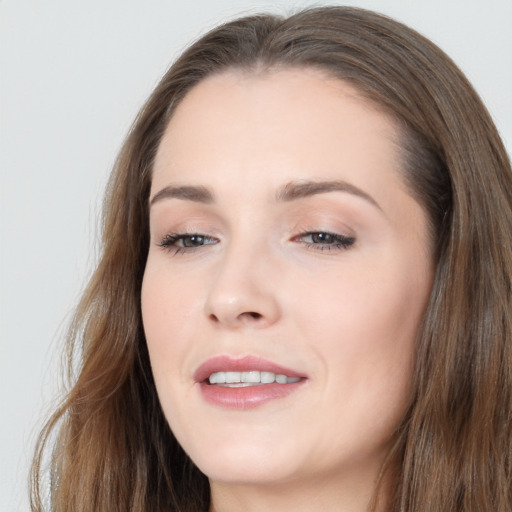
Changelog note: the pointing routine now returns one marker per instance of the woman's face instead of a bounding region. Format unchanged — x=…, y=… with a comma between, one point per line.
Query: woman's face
x=284, y=247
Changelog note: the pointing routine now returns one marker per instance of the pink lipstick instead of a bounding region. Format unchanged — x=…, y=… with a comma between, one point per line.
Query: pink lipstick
x=246, y=382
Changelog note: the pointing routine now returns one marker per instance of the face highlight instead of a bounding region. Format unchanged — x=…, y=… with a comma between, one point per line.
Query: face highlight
x=288, y=272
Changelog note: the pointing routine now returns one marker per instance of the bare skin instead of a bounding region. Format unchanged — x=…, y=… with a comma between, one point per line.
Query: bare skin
x=281, y=229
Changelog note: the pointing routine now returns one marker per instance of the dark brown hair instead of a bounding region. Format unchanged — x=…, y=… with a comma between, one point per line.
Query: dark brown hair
x=453, y=450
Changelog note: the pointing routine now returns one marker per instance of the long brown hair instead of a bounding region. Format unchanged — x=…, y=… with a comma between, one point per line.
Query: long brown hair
x=453, y=450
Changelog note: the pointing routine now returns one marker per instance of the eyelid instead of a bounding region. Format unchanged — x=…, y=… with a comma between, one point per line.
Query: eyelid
x=168, y=242
x=321, y=240
x=340, y=241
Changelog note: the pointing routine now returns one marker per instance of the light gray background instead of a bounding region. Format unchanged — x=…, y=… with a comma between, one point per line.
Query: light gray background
x=72, y=77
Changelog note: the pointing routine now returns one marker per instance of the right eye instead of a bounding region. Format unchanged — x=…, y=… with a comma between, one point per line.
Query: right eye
x=183, y=242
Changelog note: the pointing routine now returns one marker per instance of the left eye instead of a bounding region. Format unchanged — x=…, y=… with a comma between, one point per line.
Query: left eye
x=324, y=240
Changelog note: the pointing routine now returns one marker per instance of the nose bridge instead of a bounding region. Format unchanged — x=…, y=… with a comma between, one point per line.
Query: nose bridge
x=241, y=291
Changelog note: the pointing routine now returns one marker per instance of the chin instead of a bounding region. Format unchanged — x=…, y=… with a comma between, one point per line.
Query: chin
x=245, y=463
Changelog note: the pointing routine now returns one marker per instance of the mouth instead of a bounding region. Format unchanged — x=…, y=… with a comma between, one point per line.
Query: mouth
x=249, y=378
x=246, y=382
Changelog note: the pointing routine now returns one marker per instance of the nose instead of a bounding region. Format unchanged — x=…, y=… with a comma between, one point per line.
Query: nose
x=243, y=292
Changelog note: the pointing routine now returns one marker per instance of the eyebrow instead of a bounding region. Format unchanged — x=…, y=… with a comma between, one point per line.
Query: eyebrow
x=299, y=190
x=289, y=192
x=188, y=193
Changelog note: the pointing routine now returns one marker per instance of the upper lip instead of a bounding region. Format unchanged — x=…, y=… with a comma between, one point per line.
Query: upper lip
x=240, y=364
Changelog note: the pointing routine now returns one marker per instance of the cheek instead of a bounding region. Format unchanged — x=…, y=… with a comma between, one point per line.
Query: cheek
x=167, y=316
x=362, y=305
x=365, y=328
x=166, y=300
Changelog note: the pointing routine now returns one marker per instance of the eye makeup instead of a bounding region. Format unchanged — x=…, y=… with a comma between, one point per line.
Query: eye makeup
x=177, y=243
x=325, y=240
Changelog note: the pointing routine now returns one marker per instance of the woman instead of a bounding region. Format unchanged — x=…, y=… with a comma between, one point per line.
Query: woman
x=304, y=295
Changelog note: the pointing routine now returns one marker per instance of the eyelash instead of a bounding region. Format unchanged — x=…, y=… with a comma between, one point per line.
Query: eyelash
x=169, y=242
x=338, y=242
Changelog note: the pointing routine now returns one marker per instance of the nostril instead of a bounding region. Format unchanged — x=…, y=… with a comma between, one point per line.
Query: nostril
x=246, y=316
x=252, y=314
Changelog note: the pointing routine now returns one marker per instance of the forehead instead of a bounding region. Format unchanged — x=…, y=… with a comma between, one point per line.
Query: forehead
x=276, y=123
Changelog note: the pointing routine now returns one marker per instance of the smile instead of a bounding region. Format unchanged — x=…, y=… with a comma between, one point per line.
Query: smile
x=247, y=382
x=249, y=378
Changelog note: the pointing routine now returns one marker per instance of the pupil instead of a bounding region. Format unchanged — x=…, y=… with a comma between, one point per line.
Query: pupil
x=193, y=241
x=322, y=238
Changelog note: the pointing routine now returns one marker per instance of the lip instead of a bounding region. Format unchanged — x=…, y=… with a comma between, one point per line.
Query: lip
x=240, y=364
x=244, y=397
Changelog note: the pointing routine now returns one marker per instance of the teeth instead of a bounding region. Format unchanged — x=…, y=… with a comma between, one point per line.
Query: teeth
x=232, y=377
x=267, y=377
x=281, y=379
x=250, y=377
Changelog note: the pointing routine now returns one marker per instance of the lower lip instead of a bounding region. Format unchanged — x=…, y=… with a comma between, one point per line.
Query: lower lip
x=246, y=397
